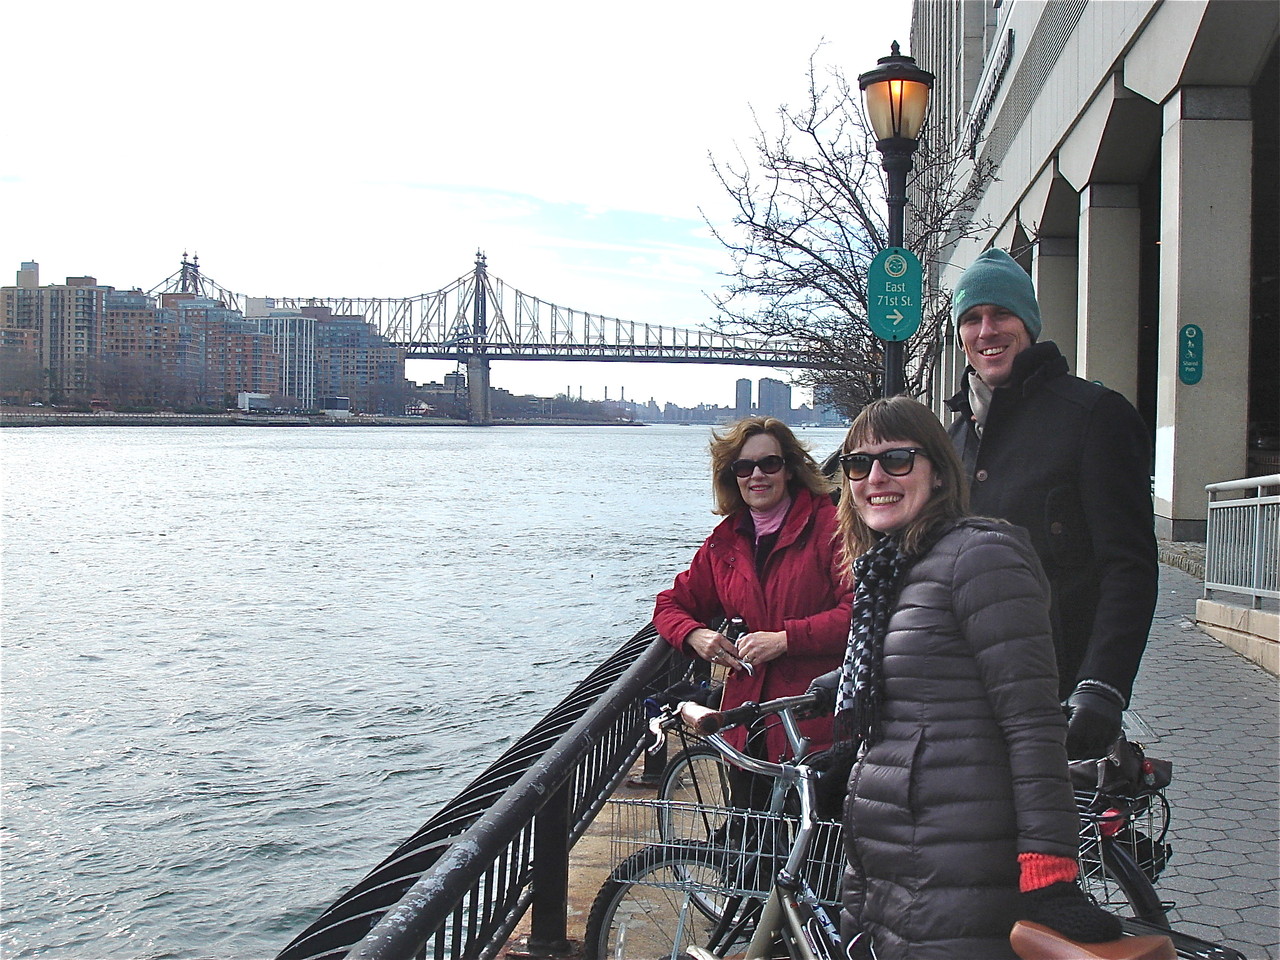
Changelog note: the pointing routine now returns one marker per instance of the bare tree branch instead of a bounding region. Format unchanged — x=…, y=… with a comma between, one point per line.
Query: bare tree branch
x=810, y=218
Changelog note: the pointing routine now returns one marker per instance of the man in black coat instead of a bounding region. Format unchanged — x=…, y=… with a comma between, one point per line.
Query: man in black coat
x=1069, y=460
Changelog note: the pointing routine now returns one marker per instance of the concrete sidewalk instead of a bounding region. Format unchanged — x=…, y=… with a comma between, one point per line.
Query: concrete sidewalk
x=1216, y=715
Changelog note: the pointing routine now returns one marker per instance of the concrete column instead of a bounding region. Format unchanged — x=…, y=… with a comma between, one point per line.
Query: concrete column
x=478, y=411
x=1107, y=326
x=1054, y=274
x=1206, y=197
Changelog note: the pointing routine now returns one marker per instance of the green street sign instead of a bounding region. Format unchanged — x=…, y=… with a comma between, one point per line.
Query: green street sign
x=1190, y=354
x=895, y=288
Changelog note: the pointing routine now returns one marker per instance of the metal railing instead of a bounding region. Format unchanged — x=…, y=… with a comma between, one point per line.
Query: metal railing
x=1242, y=545
x=458, y=887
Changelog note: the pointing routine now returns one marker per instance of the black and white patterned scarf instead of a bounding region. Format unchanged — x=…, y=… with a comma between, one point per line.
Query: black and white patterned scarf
x=877, y=575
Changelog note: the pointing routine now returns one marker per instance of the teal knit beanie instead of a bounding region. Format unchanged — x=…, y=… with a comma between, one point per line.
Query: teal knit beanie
x=995, y=277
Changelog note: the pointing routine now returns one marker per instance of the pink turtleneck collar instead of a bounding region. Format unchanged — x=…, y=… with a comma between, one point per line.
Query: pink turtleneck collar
x=770, y=521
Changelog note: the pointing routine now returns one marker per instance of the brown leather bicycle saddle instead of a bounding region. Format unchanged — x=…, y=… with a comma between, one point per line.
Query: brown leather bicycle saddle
x=1033, y=941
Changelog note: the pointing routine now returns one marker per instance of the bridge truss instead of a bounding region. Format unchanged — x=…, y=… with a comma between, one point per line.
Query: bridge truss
x=479, y=315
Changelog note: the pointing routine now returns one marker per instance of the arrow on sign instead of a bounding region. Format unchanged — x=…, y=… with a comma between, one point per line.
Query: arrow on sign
x=896, y=316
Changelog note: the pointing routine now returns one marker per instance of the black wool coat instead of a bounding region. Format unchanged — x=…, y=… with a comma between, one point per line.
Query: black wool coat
x=1070, y=461
x=971, y=766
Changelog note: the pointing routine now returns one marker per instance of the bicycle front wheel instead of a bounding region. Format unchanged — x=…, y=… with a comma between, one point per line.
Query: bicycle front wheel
x=696, y=775
x=662, y=900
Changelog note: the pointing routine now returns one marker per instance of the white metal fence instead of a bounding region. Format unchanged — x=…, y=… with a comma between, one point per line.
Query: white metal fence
x=1242, y=546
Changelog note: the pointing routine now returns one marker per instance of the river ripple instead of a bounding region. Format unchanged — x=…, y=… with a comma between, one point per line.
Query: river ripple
x=240, y=665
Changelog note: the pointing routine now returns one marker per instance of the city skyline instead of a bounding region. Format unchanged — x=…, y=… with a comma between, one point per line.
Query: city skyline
x=347, y=159
x=84, y=343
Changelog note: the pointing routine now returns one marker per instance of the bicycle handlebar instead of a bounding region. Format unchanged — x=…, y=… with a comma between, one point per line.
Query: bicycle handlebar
x=714, y=721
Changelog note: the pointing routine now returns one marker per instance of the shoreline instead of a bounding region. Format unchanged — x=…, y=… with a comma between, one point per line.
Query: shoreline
x=103, y=419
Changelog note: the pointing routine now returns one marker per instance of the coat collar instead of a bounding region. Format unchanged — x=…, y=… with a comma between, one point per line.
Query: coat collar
x=1032, y=369
x=802, y=501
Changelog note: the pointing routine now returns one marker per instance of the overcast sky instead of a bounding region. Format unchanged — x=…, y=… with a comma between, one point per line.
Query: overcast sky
x=369, y=149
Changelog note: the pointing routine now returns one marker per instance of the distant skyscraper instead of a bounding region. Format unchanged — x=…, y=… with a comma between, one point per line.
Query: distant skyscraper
x=775, y=399
x=743, y=405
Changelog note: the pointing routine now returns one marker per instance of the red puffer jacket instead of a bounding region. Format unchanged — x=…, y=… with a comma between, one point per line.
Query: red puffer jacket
x=803, y=594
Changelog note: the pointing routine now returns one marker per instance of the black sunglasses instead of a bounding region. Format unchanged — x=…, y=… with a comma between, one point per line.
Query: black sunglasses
x=744, y=468
x=897, y=462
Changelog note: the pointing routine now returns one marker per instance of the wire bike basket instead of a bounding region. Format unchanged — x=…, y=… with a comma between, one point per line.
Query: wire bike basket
x=1137, y=826
x=721, y=851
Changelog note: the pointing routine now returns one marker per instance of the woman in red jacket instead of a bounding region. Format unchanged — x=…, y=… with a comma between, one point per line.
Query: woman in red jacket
x=773, y=562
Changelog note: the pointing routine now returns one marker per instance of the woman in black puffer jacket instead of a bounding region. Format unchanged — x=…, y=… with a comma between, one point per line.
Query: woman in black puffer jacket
x=960, y=818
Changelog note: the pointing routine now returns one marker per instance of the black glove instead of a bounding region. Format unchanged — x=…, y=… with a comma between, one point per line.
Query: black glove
x=1093, y=723
x=684, y=690
x=1065, y=908
x=833, y=766
x=825, y=688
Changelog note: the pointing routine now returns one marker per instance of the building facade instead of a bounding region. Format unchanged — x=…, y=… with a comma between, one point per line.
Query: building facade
x=354, y=360
x=1135, y=150
x=147, y=355
x=775, y=399
x=293, y=336
x=61, y=321
x=235, y=356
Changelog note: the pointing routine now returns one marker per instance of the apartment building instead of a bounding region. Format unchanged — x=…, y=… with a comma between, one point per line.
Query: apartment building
x=235, y=356
x=146, y=353
x=354, y=360
x=293, y=336
x=61, y=322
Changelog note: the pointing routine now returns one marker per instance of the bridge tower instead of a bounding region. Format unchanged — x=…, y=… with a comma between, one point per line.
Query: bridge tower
x=189, y=280
x=478, y=411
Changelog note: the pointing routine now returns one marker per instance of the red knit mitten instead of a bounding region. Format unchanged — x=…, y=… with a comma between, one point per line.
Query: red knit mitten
x=1040, y=869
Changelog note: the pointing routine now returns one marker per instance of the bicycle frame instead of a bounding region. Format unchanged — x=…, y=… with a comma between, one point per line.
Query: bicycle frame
x=792, y=908
x=792, y=912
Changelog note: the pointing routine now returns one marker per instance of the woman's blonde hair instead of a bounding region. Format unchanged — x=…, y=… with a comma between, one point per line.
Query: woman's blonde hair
x=901, y=418
x=725, y=448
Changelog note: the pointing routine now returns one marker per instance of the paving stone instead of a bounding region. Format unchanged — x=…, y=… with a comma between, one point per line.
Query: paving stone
x=1187, y=883
x=1215, y=715
x=1253, y=933
x=1256, y=886
x=1260, y=911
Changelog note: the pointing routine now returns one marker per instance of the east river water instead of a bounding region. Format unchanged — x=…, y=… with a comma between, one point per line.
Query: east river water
x=240, y=665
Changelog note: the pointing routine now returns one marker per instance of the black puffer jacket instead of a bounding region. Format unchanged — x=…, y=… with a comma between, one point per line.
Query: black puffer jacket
x=971, y=769
x=1070, y=461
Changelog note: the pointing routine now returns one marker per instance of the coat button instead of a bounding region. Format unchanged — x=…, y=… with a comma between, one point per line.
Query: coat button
x=1056, y=527
x=980, y=475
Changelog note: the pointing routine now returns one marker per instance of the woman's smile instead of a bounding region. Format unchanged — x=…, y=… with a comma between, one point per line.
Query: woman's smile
x=762, y=491
x=887, y=503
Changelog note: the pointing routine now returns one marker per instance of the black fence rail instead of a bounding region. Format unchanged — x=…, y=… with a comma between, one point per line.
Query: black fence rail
x=458, y=887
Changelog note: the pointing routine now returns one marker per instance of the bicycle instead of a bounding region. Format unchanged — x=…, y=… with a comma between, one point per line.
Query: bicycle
x=1122, y=831
x=763, y=880
x=671, y=893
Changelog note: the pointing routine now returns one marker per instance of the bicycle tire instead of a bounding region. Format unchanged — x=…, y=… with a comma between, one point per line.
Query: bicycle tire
x=1117, y=884
x=647, y=907
x=695, y=775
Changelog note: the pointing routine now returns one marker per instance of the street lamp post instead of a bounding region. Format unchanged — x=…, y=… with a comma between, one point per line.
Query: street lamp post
x=897, y=96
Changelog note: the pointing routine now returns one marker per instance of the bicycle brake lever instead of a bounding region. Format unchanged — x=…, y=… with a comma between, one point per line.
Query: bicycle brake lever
x=659, y=737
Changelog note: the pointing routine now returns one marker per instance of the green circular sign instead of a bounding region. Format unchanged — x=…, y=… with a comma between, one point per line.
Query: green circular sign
x=895, y=288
